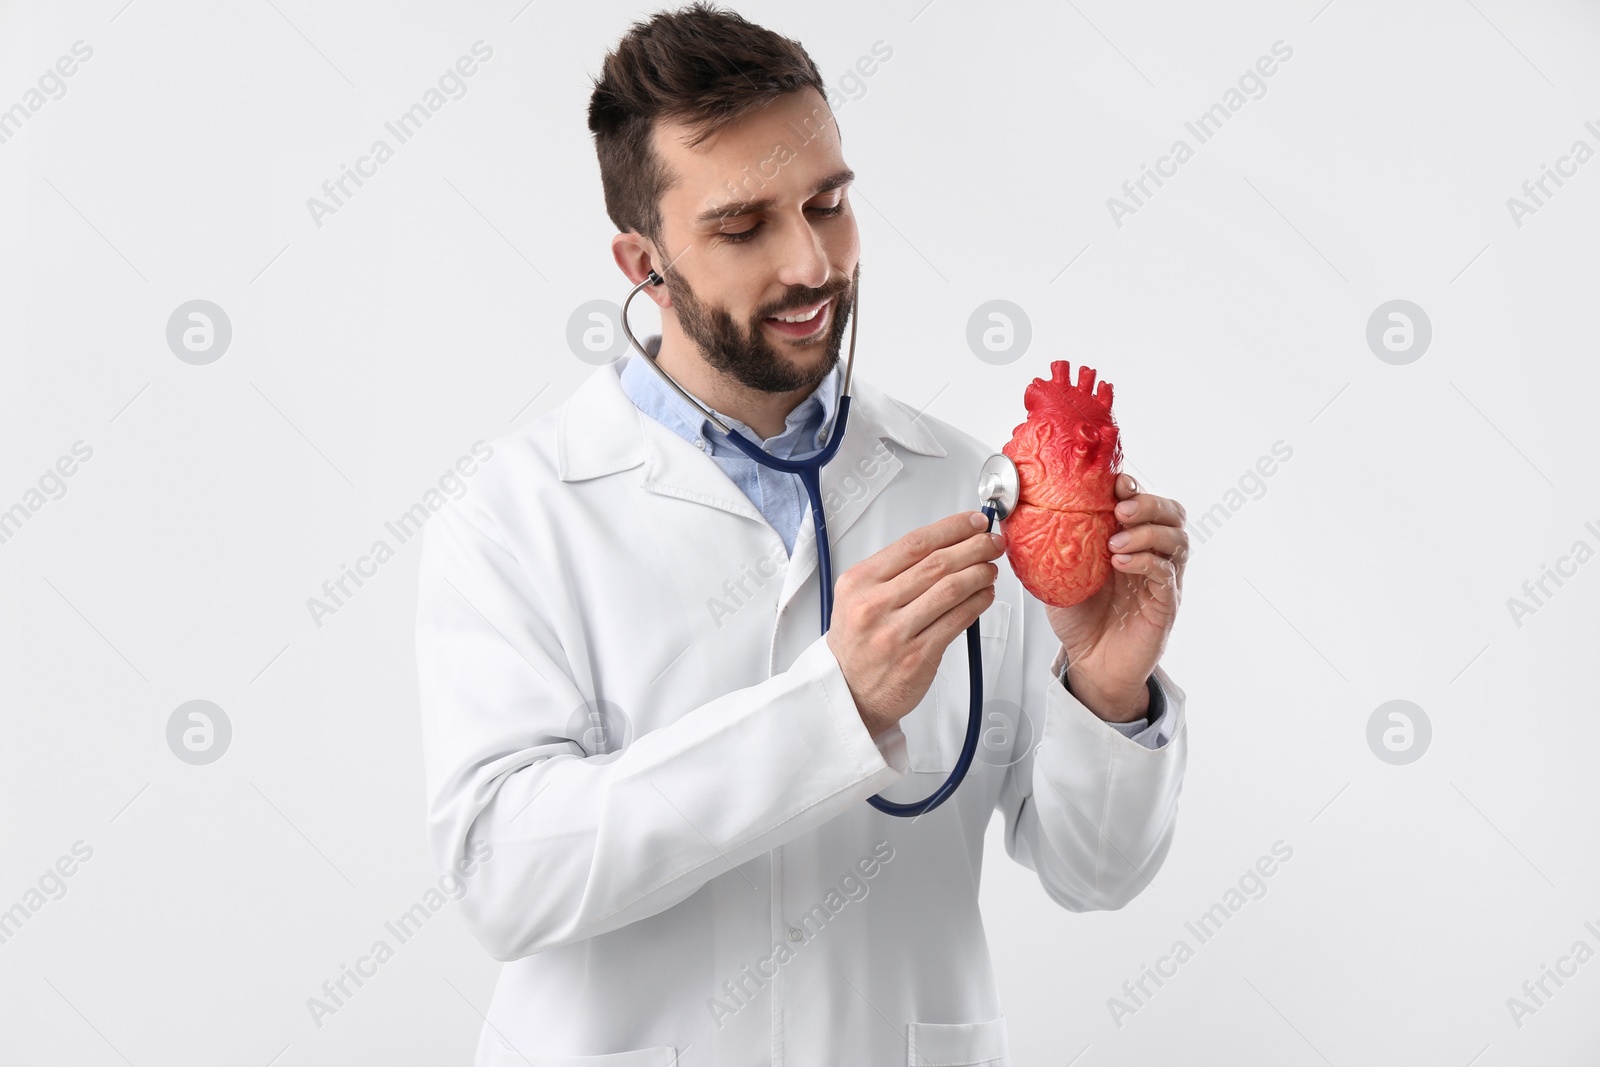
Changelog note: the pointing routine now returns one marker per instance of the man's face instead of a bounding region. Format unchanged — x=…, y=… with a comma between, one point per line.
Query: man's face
x=736, y=263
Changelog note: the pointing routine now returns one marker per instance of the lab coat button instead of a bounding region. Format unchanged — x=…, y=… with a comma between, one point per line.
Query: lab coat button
x=794, y=934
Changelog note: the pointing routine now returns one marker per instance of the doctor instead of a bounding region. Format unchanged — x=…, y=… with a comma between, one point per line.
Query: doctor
x=636, y=739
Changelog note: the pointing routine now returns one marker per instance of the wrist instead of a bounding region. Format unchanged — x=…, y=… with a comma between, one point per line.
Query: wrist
x=1111, y=703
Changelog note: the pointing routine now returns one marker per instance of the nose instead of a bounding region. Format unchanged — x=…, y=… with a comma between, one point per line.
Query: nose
x=804, y=260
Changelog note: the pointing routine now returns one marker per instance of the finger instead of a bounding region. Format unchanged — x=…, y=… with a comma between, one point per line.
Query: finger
x=1147, y=507
x=1160, y=574
x=923, y=594
x=1126, y=486
x=880, y=615
x=930, y=588
x=922, y=575
x=896, y=557
x=1169, y=541
x=938, y=634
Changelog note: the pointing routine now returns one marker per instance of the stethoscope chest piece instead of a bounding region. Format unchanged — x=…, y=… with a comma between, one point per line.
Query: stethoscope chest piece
x=998, y=485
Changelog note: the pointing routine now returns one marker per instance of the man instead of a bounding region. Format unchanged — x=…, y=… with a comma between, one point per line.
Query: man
x=647, y=761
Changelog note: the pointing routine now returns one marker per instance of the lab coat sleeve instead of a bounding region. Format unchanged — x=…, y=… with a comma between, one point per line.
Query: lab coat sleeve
x=1089, y=810
x=1147, y=730
x=575, y=844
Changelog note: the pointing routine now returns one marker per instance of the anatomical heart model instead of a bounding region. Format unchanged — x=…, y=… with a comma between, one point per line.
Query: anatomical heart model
x=1068, y=454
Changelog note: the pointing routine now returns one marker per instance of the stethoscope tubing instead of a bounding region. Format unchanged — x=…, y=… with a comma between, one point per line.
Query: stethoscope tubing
x=809, y=470
x=969, y=745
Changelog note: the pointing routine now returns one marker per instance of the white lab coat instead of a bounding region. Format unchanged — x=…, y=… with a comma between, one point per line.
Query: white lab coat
x=709, y=887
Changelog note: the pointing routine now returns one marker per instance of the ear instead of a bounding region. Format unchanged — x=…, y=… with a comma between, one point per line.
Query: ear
x=637, y=257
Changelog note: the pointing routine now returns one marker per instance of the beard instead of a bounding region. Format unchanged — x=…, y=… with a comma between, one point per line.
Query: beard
x=745, y=354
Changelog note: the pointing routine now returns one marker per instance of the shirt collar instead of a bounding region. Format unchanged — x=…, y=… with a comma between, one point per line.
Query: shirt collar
x=599, y=430
x=661, y=402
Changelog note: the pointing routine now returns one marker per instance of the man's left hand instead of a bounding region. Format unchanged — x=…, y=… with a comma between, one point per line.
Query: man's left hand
x=1115, y=638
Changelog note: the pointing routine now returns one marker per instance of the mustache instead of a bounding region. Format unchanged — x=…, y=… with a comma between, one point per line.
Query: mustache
x=809, y=298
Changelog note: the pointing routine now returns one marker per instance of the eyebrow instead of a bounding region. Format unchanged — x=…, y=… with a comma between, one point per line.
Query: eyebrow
x=739, y=208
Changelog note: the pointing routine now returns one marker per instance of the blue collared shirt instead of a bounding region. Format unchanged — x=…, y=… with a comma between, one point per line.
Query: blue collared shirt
x=778, y=495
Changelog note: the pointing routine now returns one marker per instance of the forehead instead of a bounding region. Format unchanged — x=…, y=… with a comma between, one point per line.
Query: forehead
x=781, y=150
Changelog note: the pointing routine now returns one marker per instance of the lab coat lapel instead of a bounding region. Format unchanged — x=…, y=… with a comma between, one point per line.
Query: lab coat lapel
x=600, y=431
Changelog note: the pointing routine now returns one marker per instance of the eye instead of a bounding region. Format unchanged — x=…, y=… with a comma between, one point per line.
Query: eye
x=742, y=236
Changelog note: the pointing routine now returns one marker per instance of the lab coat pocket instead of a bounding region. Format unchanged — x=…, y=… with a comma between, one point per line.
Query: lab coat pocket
x=936, y=727
x=655, y=1056
x=957, y=1044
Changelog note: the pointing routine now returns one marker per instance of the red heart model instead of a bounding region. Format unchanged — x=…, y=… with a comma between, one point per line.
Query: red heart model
x=1068, y=454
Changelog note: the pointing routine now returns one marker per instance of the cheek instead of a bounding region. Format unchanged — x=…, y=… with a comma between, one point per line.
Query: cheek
x=844, y=246
x=735, y=291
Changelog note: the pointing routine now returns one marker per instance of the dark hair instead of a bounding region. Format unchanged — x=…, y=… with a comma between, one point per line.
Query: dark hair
x=699, y=66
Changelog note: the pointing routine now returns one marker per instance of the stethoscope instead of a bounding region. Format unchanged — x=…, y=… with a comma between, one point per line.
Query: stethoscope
x=998, y=491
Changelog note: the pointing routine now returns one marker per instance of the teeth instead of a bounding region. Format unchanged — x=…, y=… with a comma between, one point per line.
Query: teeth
x=802, y=318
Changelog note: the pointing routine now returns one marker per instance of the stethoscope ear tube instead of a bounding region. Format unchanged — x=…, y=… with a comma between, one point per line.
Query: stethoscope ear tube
x=652, y=278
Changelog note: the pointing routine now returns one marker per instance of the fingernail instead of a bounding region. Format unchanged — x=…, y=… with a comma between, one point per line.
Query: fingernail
x=1119, y=539
x=979, y=520
x=999, y=539
x=1125, y=508
x=1122, y=559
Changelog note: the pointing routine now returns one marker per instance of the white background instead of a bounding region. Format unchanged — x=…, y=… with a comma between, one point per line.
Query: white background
x=431, y=310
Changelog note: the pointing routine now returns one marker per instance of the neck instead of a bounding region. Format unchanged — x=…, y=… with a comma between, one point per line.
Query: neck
x=765, y=413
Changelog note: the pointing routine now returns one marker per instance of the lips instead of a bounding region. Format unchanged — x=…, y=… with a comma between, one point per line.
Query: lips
x=814, y=325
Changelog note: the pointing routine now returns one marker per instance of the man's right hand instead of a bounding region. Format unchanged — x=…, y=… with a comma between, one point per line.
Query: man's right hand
x=895, y=612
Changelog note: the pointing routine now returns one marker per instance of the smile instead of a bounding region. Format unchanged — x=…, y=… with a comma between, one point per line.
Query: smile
x=806, y=322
